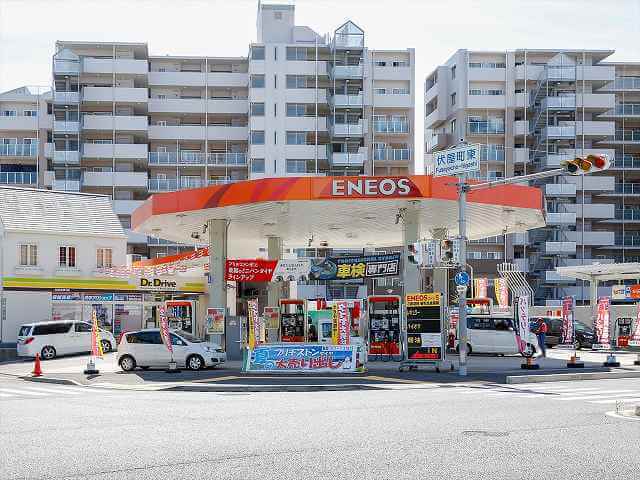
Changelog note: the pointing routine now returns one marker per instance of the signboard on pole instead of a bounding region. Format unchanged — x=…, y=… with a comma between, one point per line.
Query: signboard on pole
x=254, y=324
x=568, y=304
x=523, y=322
x=424, y=327
x=457, y=160
x=601, y=325
x=341, y=330
x=164, y=328
x=215, y=320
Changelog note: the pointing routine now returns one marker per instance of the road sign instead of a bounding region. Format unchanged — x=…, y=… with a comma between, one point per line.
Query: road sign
x=457, y=160
x=462, y=278
x=462, y=290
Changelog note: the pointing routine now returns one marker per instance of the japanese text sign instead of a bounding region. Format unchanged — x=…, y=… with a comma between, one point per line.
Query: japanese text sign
x=458, y=160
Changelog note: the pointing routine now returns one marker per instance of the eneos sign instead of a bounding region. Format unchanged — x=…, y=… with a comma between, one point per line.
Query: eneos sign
x=369, y=187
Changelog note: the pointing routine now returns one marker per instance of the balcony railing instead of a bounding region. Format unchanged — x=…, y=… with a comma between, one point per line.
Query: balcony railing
x=19, y=150
x=390, y=126
x=567, y=101
x=197, y=158
x=560, y=72
x=391, y=154
x=627, y=240
x=486, y=127
x=628, y=135
x=627, y=188
x=492, y=154
x=628, y=161
x=66, y=185
x=66, y=66
x=630, y=109
x=623, y=84
x=18, y=178
x=172, y=184
x=568, y=131
x=628, y=214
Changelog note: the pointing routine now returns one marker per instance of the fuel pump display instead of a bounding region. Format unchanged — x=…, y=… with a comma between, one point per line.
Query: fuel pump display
x=292, y=318
x=384, y=325
x=181, y=314
x=623, y=331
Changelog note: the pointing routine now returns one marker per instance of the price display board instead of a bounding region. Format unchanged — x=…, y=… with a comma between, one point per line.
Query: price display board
x=424, y=327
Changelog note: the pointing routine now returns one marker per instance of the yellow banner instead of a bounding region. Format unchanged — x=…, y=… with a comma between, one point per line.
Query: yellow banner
x=335, y=316
x=422, y=299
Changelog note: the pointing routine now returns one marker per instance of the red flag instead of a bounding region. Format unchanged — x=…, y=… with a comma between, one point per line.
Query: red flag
x=164, y=328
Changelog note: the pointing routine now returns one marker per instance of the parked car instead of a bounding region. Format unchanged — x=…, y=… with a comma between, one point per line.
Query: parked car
x=495, y=334
x=584, y=335
x=145, y=349
x=51, y=339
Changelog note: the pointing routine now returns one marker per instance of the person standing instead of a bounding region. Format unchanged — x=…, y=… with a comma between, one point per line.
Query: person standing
x=541, y=331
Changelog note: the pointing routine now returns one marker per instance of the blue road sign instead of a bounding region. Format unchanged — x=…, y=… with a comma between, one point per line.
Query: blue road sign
x=462, y=278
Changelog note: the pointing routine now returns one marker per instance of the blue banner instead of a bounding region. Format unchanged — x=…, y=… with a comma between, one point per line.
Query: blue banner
x=350, y=268
x=302, y=357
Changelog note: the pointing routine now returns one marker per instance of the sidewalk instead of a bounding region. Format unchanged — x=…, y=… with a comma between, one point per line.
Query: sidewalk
x=481, y=368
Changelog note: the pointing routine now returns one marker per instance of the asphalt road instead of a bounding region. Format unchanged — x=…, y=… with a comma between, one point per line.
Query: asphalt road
x=480, y=431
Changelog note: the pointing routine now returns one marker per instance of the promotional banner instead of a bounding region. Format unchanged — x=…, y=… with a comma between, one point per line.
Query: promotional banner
x=215, y=321
x=302, y=358
x=424, y=327
x=523, y=322
x=291, y=270
x=601, y=326
x=568, y=305
x=502, y=292
x=634, y=341
x=349, y=268
x=164, y=329
x=341, y=331
x=96, y=345
x=481, y=285
x=625, y=292
x=254, y=324
x=272, y=318
x=259, y=270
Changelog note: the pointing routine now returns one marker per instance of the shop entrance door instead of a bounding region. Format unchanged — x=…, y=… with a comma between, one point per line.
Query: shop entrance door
x=234, y=337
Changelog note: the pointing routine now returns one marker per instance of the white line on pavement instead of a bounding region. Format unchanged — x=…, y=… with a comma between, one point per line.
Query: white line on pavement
x=6, y=395
x=619, y=393
x=634, y=400
x=23, y=392
x=54, y=390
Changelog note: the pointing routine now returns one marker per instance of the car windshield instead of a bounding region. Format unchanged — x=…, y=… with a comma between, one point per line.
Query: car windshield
x=189, y=338
x=24, y=331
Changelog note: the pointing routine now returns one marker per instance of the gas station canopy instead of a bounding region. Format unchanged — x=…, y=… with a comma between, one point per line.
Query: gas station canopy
x=602, y=272
x=338, y=212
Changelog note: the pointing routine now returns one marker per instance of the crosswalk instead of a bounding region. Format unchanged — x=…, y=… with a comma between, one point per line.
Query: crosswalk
x=599, y=395
x=14, y=392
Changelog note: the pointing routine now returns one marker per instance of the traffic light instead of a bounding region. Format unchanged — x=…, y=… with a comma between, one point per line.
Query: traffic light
x=589, y=164
x=446, y=251
x=414, y=253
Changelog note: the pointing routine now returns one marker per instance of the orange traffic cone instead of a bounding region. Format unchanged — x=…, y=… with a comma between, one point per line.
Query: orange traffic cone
x=37, y=369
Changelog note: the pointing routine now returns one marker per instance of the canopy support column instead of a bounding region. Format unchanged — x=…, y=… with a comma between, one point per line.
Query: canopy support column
x=410, y=234
x=217, y=230
x=274, y=252
x=593, y=302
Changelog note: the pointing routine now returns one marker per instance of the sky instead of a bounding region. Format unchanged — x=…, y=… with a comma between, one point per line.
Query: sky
x=435, y=28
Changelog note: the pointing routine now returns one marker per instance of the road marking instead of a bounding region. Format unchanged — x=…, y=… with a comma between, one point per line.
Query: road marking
x=23, y=392
x=6, y=395
x=619, y=393
x=633, y=400
x=392, y=379
x=55, y=390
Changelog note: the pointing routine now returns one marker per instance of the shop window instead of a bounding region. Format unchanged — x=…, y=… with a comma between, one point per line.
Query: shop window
x=104, y=257
x=28, y=255
x=67, y=257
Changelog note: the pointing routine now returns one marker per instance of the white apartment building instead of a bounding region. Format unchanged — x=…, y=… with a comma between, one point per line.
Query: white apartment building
x=531, y=109
x=121, y=122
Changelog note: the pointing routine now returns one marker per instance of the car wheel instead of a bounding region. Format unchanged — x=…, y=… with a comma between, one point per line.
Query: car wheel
x=127, y=363
x=106, y=346
x=195, y=362
x=48, y=353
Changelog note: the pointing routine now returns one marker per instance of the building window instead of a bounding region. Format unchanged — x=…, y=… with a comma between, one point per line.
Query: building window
x=257, y=53
x=257, y=137
x=30, y=113
x=257, y=81
x=453, y=126
x=275, y=53
x=453, y=98
x=403, y=63
x=296, y=166
x=381, y=63
x=295, y=109
x=104, y=257
x=257, y=165
x=296, y=138
x=9, y=113
x=28, y=255
x=257, y=109
x=300, y=81
x=453, y=72
x=297, y=53
x=67, y=257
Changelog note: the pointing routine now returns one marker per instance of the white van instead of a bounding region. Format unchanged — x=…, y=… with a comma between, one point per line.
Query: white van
x=495, y=334
x=51, y=339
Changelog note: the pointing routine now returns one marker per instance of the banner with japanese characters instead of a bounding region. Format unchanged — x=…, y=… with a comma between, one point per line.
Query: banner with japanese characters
x=341, y=330
x=568, y=304
x=303, y=358
x=350, y=268
x=96, y=344
x=481, y=285
x=523, y=323
x=260, y=270
x=215, y=320
x=601, y=325
x=254, y=323
x=634, y=341
x=424, y=327
x=502, y=292
x=164, y=328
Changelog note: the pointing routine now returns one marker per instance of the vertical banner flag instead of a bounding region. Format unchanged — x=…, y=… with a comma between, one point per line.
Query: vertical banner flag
x=215, y=321
x=634, y=341
x=341, y=331
x=164, y=329
x=568, y=304
x=96, y=344
x=481, y=287
x=254, y=324
x=603, y=339
x=502, y=292
x=523, y=322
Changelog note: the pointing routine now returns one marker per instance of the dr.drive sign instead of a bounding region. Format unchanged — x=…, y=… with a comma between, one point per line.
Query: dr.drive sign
x=458, y=160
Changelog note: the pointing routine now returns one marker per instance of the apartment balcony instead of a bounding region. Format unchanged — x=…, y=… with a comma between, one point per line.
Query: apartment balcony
x=559, y=132
x=345, y=101
x=194, y=105
x=561, y=218
x=226, y=159
x=349, y=129
x=347, y=71
x=521, y=155
x=575, y=262
x=66, y=127
x=435, y=117
x=184, y=183
x=127, y=66
x=116, y=150
x=391, y=127
x=528, y=72
x=197, y=132
x=197, y=79
x=626, y=215
x=349, y=159
x=520, y=239
x=565, y=102
x=521, y=127
x=622, y=84
x=66, y=67
x=593, y=183
x=551, y=276
x=431, y=92
x=114, y=94
x=628, y=240
x=135, y=237
x=19, y=122
x=590, y=238
x=486, y=101
x=66, y=157
x=303, y=67
x=597, y=73
x=522, y=264
x=437, y=141
x=391, y=100
x=596, y=129
x=627, y=162
x=66, y=98
x=125, y=123
x=49, y=178
x=623, y=111
x=162, y=185
x=391, y=154
x=305, y=124
x=19, y=150
x=553, y=160
x=560, y=248
x=560, y=190
x=596, y=211
x=117, y=179
x=126, y=207
x=308, y=152
x=66, y=185
x=596, y=101
x=306, y=95
x=626, y=136
x=485, y=127
x=18, y=178
x=625, y=189
x=392, y=73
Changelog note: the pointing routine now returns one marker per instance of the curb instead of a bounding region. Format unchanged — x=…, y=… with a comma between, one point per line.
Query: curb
x=58, y=381
x=560, y=377
x=273, y=388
